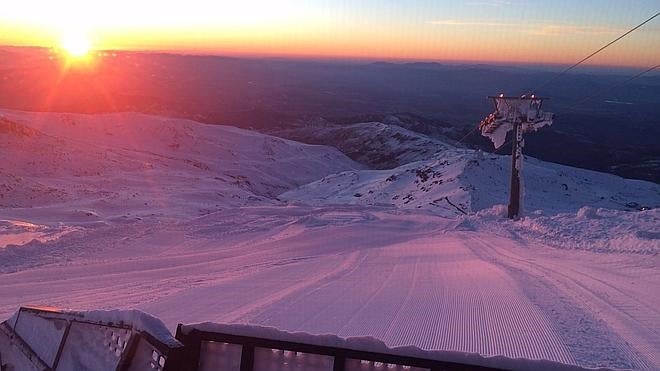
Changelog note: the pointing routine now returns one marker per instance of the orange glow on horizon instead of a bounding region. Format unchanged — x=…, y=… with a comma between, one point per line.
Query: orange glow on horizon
x=363, y=45
x=289, y=29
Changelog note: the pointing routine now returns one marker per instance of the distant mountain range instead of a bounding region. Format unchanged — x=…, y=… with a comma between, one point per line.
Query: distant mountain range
x=441, y=101
x=117, y=167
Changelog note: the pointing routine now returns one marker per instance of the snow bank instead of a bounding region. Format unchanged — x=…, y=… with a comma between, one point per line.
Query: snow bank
x=592, y=229
x=17, y=233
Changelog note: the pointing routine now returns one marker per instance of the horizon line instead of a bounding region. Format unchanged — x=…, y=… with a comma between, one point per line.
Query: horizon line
x=335, y=58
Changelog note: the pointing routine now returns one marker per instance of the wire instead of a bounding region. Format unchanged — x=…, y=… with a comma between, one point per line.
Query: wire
x=593, y=54
x=468, y=134
x=579, y=63
x=613, y=86
x=503, y=146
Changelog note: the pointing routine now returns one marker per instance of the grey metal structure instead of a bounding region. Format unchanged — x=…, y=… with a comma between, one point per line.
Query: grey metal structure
x=519, y=115
x=42, y=339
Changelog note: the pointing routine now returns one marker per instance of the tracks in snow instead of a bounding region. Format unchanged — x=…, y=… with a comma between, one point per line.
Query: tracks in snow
x=383, y=275
x=433, y=293
x=596, y=314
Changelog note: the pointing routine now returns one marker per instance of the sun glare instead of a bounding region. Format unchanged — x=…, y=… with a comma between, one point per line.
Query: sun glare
x=76, y=44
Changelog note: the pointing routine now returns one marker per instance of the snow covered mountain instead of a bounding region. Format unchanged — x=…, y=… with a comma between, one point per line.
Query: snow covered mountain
x=194, y=222
x=375, y=144
x=118, y=163
x=463, y=181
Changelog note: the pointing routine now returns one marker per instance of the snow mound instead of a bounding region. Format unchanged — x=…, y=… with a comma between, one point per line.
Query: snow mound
x=592, y=229
x=18, y=233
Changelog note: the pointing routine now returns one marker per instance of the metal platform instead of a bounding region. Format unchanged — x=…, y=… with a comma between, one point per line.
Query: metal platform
x=212, y=350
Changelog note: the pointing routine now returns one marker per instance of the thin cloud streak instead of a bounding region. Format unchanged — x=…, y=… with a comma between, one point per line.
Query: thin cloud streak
x=456, y=22
x=493, y=3
x=543, y=29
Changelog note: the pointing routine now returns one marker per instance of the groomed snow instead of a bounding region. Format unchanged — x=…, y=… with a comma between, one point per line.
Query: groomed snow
x=280, y=239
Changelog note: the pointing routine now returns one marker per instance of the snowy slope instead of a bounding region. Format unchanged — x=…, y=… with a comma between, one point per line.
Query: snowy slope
x=404, y=278
x=182, y=220
x=376, y=144
x=116, y=164
x=463, y=181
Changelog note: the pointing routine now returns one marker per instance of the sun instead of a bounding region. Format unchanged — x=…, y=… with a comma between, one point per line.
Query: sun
x=76, y=44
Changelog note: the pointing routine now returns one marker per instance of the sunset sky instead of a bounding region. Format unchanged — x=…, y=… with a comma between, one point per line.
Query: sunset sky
x=558, y=31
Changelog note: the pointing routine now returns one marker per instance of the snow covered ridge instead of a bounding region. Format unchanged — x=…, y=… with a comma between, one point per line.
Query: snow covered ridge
x=466, y=181
x=133, y=161
x=45, y=339
x=376, y=144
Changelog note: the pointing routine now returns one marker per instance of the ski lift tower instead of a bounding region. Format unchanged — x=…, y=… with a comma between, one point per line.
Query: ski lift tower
x=519, y=115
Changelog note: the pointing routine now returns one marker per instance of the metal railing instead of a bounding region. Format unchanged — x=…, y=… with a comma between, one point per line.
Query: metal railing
x=210, y=350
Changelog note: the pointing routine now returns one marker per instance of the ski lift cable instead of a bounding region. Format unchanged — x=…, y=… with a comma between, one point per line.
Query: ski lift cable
x=468, y=134
x=497, y=151
x=579, y=63
x=594, y=53
x=611, y=87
